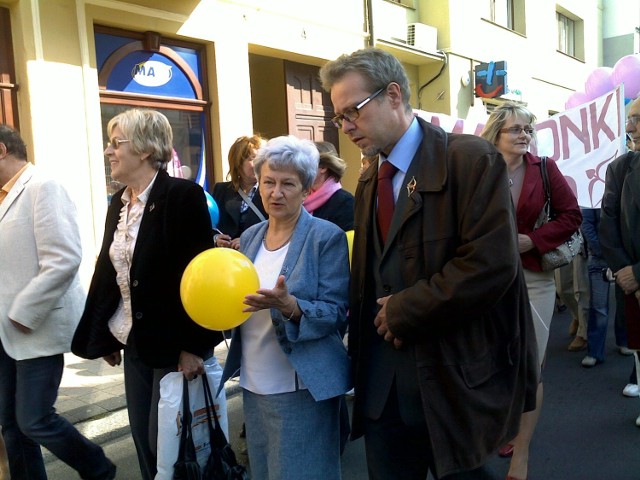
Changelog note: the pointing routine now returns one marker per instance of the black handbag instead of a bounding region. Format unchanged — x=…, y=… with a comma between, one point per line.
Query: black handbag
x=564, y=253
x=186, y=467
x=222, y=463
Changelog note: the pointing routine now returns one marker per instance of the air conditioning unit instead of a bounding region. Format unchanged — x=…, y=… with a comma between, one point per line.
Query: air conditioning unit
x=422, y=37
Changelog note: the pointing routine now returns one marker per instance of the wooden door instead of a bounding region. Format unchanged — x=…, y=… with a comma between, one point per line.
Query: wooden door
x=309, y=108
x=8, y=87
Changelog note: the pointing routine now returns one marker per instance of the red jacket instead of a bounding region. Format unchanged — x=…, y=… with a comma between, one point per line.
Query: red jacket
x=563, y=203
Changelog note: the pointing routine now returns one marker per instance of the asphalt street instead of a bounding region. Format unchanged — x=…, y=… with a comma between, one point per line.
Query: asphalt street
x=586, y=432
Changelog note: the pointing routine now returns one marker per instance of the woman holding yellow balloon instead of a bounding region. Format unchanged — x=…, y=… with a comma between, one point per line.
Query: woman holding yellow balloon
x=155, y=225
x=292, y=363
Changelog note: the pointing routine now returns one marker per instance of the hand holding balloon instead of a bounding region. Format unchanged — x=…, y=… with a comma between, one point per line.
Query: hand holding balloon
x=222, y=239
x=214, y=212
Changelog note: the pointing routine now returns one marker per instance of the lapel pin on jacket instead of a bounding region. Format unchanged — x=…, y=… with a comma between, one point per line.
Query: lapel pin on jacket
x=411, y=186
x=152, y=206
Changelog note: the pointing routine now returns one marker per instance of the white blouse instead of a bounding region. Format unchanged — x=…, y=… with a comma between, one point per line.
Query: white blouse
x=265, y=369
x=121, y=253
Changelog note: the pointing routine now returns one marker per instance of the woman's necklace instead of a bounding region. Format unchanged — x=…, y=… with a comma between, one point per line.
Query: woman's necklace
x=513, y=175
x=264, y=242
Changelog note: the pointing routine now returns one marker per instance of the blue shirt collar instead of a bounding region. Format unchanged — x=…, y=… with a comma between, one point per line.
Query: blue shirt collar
x=406, y=148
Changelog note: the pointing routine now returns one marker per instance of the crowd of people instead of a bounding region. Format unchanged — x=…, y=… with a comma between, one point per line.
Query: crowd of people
x=446, y=303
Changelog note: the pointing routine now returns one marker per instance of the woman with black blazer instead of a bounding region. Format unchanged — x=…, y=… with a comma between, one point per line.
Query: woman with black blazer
x=154, y=228
x=238, y=200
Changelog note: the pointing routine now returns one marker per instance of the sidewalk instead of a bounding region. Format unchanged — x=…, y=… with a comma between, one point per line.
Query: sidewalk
x=92, y=389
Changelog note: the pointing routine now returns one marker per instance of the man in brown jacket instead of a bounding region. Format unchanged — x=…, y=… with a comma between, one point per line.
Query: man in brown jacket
x=440, y=333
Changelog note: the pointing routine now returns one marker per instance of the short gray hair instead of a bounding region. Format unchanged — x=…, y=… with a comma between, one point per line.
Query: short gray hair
x=148, y=131
x=379, y=69
x=499, y=117
x=289, y=152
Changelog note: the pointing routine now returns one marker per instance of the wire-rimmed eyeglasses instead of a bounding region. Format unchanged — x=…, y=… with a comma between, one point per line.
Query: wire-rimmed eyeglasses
x=517, y=130
x=352, y=114
x=116, y=142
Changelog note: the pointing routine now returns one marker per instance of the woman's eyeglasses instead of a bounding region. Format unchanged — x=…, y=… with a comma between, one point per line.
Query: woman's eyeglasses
x=116, y=142
x=517, y=130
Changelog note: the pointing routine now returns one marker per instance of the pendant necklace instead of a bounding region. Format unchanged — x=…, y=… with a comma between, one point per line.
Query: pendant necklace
x=264, y=242
x=514, y=174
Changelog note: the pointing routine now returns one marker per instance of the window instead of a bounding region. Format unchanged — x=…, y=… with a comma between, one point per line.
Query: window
x=145, y=70
x=566, y=35
x=508, y=14
x=502, y=13
x=406, y=3
x=570, y=34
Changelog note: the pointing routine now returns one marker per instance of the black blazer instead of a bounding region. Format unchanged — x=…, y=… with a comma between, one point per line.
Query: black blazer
x=175, y=228
x=229, y=201
x=338, y=209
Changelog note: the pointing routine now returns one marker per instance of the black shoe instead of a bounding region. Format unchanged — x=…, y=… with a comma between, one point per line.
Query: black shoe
x=112, y=471
x=110, y=474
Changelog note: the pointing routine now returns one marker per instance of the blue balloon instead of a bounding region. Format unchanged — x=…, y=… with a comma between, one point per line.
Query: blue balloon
x=214, y=213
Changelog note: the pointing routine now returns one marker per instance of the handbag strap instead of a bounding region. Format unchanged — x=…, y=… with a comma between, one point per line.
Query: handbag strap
x=545, y=178
x=547, y=186
x=216, y=435
x=251, y=205
x=187, y=448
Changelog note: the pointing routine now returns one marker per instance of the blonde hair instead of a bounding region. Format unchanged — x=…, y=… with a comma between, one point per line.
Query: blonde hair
x=335, y=165
x=499, y=117
x=148, y=131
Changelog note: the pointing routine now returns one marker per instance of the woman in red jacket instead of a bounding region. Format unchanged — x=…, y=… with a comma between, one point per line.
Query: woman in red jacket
x=511, y=128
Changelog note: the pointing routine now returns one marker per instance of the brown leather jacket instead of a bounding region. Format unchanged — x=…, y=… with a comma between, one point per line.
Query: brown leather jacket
x=464, y=308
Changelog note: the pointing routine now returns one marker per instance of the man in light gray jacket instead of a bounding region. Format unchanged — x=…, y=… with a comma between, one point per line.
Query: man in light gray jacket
x=41, y=301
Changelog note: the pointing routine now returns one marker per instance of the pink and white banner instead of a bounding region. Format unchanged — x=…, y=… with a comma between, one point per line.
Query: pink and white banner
x=582, y=140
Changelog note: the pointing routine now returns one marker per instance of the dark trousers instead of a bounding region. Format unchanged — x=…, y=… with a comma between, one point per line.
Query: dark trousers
x=142, y=389
x=396, y=451
x=28, y=391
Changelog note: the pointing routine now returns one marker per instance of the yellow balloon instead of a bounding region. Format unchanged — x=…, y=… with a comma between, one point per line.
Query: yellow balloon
x=214, y=285
x=350, y=243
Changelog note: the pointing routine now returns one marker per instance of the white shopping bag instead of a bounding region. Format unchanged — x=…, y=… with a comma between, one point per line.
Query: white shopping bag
x=170, y=417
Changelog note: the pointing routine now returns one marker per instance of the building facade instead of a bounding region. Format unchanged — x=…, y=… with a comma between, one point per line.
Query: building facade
x=220, y=69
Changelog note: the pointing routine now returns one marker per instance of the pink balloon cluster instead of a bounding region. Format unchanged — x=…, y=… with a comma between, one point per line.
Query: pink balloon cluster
x=627, y=71
x=604, y=79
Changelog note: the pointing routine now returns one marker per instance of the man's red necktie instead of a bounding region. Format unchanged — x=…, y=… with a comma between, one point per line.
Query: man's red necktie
x=386, y=201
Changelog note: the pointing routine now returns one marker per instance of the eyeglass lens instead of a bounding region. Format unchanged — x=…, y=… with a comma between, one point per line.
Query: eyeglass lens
x=518, y=130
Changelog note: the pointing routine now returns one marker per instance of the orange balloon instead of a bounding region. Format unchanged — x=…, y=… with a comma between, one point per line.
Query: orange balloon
x=214, y=285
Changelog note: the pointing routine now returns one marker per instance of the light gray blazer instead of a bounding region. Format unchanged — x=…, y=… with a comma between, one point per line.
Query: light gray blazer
x=40, y=253
x=316, y=271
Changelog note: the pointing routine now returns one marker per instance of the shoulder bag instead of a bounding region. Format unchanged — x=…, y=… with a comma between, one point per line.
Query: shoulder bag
x=564, y=253
x=251, y=205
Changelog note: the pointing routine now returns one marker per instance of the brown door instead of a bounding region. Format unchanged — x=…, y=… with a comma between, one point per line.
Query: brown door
x=309, y=108
x=8, y=87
